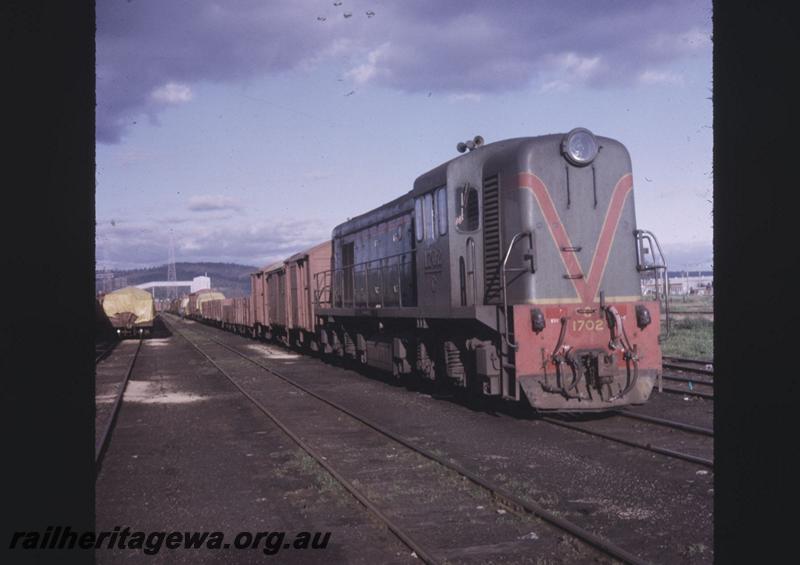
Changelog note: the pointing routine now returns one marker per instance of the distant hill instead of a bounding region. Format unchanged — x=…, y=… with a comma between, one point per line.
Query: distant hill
x=230, y=278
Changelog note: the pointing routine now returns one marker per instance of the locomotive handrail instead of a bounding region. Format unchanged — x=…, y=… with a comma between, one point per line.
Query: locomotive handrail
x=514, y=240
x=642, y=235
x=326, y=287
x=365, y=273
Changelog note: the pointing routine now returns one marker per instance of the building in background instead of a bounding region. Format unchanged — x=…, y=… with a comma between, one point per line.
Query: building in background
x=683, y=283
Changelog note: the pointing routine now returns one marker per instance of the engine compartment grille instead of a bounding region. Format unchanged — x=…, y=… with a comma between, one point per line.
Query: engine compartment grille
x=492, y=249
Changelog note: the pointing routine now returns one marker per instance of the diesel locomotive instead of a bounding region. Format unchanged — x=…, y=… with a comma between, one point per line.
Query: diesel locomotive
x=513, y=270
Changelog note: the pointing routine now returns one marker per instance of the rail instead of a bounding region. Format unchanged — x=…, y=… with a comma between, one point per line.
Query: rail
x=377, y=283
x=499, y=494
x=102, y=444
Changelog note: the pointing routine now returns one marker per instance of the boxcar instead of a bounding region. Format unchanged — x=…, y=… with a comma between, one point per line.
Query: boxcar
x=302, y=270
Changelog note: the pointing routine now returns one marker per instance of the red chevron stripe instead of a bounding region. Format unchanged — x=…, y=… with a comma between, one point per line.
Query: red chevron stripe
x=607, y=232
x=556, y=228
x=586, y=288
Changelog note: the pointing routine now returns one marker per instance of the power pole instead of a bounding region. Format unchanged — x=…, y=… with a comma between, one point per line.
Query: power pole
x=104, y=275
x=171, y=274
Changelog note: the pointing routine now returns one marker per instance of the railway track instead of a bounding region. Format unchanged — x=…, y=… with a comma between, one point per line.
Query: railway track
x=688, y=360
x=644, y=445
x=697, y=366
x=101, y=444
x=683, y=426
x=703, y=390
x=104, y=351
x=693, y=387
x=702, y=386
x=504, y=500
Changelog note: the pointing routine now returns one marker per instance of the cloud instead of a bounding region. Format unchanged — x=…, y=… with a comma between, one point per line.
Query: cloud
x=465, y=97
x=172, y=93
x=209, y=202
x=143, y=46
x=690, y=41
x=660, y=77
x=583, y=68
x=150, y=54
x=689, y=255
x=365, y=72
x=146, y=243
x=132, y=155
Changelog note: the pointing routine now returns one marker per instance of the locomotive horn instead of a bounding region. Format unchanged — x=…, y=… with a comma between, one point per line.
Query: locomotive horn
x=470, y=144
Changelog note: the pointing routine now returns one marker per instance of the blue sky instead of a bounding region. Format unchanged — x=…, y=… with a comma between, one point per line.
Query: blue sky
x=246, y=130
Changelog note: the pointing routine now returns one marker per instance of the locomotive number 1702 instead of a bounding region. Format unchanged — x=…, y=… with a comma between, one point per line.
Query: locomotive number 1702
x=590, y=325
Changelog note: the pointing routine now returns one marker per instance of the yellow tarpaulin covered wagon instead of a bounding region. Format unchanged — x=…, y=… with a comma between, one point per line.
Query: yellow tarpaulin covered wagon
x=131, y=310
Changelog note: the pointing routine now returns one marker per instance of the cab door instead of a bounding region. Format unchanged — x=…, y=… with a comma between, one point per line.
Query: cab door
x=432, y=248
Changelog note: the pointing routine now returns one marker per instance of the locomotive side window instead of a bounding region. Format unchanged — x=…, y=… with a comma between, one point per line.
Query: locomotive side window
x=441, y=210
x=428, y=210
x=467, y=212
x=418, y=223
x=430, y=215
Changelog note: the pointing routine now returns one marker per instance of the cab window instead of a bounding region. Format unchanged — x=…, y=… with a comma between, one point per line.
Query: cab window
x=430, y=214
x=418, y=224
x=467, y=210
x=430, y=221
x=441, y=210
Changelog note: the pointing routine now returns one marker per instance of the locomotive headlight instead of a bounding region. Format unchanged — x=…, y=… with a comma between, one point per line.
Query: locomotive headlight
x=642, y=316
x=579, y=147
x=537, y=320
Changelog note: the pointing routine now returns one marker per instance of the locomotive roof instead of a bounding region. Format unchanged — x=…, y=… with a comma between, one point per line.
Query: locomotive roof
x=397, y=207
x=438, y=177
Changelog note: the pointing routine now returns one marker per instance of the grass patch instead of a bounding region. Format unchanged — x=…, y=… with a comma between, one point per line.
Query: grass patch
x=692, y=303
x=300, y=464
x=689, y=337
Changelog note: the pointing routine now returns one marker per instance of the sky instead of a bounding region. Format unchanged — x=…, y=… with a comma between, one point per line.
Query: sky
x=243, y=131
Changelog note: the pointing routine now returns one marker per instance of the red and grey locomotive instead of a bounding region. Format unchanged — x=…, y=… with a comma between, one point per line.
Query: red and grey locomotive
x=513, y=270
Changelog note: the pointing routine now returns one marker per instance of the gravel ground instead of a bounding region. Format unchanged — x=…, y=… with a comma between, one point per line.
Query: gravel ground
x=658, y=508
x=448, y=516
x=683, y=408
x=109, y=375
x=190, y=453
